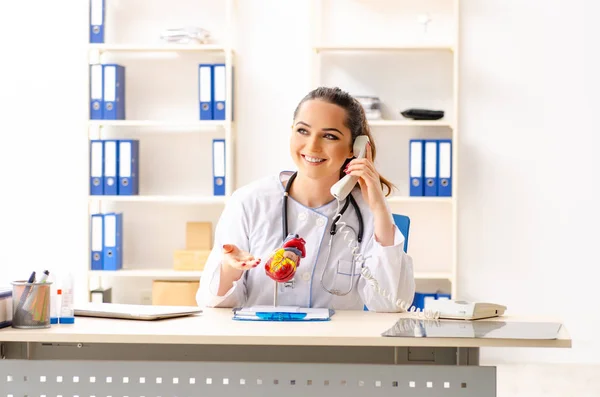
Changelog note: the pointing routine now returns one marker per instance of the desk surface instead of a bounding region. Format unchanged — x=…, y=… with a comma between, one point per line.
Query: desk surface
x=216, y=327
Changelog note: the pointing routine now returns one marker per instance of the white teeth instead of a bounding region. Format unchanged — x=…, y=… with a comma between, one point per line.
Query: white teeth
x=313, y=159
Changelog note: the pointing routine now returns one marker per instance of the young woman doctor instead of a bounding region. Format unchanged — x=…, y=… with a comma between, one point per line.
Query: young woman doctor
x=252, y=226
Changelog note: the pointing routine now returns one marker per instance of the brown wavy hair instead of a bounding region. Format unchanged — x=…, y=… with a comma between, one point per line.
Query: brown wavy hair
x=356, y=121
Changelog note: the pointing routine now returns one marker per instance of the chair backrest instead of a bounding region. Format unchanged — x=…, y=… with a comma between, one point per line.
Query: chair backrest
x=403, y=223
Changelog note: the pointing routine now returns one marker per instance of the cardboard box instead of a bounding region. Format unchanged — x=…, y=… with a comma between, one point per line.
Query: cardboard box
x=190, y=259
x=174, y=293
x=198, y=236
x=101, y=295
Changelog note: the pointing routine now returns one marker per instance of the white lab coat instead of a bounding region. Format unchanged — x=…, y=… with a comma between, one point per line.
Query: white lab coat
x=252, y=220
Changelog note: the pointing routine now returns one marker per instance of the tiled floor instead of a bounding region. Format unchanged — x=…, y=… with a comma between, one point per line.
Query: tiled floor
x=551, y=380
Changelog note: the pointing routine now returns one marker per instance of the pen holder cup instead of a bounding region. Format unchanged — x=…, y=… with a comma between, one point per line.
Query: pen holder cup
x=31, y=304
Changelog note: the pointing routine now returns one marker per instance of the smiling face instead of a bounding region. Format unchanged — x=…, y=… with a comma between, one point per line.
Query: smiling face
x=320, y=141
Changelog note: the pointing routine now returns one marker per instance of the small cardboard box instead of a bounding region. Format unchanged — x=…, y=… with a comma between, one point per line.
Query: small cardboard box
x=198, y=236
x=190, y=259
x=174, y=293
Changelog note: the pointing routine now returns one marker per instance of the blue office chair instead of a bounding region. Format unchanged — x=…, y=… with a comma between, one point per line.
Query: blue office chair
x=403, y=223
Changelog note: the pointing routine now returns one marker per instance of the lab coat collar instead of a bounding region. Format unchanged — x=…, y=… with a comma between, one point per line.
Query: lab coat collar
x=327, y=209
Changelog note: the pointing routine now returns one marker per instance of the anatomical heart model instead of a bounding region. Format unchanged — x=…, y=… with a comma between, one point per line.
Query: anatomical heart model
x=282, y=264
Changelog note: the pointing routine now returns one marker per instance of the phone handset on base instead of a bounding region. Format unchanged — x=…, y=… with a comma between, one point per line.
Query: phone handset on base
x=344, y=186
x=407, y=307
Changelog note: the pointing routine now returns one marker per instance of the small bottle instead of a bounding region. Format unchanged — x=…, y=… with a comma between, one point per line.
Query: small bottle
x=67, y=311
x=55, y=305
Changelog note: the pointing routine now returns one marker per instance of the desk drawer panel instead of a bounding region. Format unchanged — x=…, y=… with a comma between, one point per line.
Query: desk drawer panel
x=88, y=378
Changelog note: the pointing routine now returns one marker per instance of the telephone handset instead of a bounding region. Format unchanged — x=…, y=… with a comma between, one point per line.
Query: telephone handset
x=344, y=186
x=340, y=190
x=433, y=309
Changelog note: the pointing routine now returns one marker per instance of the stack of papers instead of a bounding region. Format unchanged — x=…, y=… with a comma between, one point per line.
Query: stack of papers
x=5, y=306
x=282, y=313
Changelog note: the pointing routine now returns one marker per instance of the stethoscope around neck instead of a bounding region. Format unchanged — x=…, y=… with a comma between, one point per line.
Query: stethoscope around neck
x=349, y=200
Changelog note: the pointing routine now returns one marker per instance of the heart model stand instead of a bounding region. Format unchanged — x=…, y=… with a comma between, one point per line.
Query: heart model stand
x=282, y=264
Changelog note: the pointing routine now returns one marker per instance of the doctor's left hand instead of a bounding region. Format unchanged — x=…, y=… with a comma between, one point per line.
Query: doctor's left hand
x=368, y=179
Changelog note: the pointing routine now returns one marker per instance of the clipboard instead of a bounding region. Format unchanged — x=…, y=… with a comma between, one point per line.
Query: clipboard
x=282, y=313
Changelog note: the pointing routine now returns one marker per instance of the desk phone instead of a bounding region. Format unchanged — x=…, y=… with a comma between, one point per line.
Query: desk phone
x=463, y=310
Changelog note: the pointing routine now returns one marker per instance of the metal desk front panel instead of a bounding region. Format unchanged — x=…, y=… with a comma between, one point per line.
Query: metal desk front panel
x=66, y=378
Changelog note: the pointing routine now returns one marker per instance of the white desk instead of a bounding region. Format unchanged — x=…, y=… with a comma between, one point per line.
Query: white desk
x=211, y=354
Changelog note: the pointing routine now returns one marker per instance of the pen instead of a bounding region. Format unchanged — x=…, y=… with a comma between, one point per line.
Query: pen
x=27, y=289
x=44, y=276
x=19, y=309
x=31, y=278
x=38, y=312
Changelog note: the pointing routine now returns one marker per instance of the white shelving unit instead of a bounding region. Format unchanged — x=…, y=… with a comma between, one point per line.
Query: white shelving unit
x=434, y=276
x=416, y=200
x=433, y=219
x=385, y=48
x=162, y=274
x=424, y=211
x=156, y=48
x=168, y=274
x=161, y=199
x=162, y=128
x=192, y=125
x=409, y=123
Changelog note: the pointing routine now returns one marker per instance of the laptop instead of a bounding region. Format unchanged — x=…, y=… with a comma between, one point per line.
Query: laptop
x=134, y=312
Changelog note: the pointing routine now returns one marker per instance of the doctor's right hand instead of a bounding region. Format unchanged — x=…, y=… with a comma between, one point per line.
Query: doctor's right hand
x=233, y=265
x=235, y=258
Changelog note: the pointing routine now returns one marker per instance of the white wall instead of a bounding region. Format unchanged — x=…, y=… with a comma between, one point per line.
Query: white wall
x=527, y=169
x=43, y=147
x=529, y=151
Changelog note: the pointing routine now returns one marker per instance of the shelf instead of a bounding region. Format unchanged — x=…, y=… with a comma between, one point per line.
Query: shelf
x=162, y=199
x=367, y=48
x=157, y=48
x=416, y=199
x=195, y=275
x=150, y=273
x=410, y=123
x=222, y=199
x=433, y=276
x=159, y=123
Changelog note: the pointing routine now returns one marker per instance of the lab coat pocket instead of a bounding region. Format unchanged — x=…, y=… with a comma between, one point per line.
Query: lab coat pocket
x=345, y=268
x=344, y=282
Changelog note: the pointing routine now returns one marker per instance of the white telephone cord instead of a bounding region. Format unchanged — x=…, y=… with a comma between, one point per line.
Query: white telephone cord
x=366, y=272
